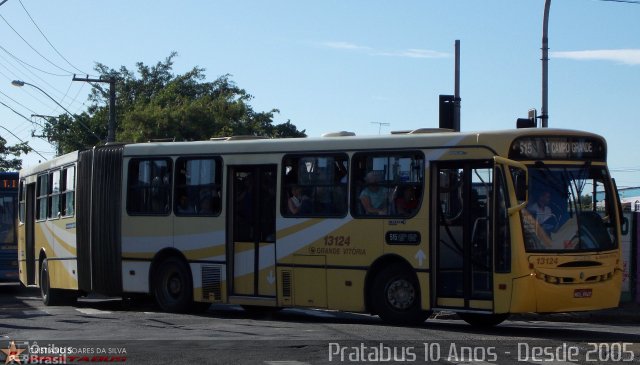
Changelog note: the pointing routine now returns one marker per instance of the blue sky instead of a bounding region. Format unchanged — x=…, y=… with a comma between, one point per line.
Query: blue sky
x=346, y=64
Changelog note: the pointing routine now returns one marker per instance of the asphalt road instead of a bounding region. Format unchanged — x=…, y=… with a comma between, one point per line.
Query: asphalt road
x=109, y=330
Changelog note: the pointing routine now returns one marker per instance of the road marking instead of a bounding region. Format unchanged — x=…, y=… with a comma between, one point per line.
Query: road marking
x=91, y=311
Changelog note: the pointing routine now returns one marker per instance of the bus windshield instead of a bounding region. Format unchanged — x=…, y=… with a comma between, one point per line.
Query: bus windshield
x=7, y=218
x=570, y=209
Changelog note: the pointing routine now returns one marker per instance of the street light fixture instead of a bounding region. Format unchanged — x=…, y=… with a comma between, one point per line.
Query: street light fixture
x=20, y=83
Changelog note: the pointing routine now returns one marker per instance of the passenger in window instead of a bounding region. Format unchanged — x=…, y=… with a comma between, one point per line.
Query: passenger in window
x=184, y=207
x=206, y=206
x=406, y=201
x=373, y=197
x=298, y=203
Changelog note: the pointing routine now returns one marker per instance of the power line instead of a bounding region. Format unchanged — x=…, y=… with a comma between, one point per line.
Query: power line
x=13, y=110
x=33, y=48
x=12, y=99
x=25, y=76
x=47, y=39
x=33, y=67
x=23, y=141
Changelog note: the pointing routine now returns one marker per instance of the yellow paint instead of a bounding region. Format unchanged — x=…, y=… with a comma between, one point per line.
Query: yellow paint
x=310, y=287
x=61, y=277
x=481, y=304
x=345, y=289
x=450, y=302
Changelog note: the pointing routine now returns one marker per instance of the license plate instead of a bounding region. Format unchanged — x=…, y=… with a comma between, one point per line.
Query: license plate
x=582, y=293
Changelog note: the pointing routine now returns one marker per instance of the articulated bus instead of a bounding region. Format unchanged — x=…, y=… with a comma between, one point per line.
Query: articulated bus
x=483, y=224
x=8, y=228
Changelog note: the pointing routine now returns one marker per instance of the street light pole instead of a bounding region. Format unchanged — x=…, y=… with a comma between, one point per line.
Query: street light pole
x=545, y=66
x=20, y=83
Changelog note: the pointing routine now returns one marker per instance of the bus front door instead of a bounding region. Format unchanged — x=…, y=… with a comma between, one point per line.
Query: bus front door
x=251, y=248
x=463, y=264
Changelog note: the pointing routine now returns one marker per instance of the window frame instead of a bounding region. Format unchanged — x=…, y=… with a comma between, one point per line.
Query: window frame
x=42, y=196
x=215, y=185
x=65, y=191
x=146, y=187
x=358, y=174
x=287, y=183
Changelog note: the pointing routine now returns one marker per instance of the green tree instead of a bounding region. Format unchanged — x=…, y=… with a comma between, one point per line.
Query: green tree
x=9, y=155
x=153, y=103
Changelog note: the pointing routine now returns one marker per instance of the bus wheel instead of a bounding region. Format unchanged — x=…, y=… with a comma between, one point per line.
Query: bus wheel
x=396, y=296
x=53, y=297
x=483, y=320
x=45, y=289
x=49, y=296
x=172, y=287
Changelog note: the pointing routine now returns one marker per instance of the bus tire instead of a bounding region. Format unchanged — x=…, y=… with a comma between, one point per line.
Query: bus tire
x=50, y=297
x=396, y=296
x=483, y=320
x=173, y=288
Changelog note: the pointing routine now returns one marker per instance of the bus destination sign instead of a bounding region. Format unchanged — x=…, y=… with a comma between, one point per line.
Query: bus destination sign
x=9, y=184
x=558, y=148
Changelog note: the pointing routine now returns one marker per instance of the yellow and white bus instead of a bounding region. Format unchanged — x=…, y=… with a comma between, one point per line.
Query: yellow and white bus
x=483, y=224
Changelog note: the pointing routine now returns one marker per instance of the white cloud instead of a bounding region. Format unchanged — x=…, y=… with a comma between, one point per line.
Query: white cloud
x=414, y=53
x=344, y=45
x=407, y=53
x=625, y=56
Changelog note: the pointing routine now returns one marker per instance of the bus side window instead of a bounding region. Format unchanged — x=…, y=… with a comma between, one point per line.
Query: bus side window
x=387, y=184
x=42, y=200
x=198, y=186
x=149, y=186
x=314, y=185
x=68, y=181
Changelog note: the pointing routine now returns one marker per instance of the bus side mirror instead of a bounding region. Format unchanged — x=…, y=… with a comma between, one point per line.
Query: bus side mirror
x=519, y=184
x=519, y=178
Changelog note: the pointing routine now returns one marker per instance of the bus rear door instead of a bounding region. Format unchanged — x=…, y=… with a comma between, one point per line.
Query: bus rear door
x=251, y=246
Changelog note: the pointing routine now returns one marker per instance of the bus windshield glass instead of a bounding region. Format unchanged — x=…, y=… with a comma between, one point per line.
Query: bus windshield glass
x=570, y=209
x=7, y=217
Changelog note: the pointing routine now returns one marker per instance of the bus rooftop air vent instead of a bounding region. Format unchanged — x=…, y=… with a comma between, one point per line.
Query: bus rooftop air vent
x=431, y=130
x=237, y=138
x=339, y=134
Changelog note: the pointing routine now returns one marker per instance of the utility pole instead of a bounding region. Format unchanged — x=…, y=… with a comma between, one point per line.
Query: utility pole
x=111, y=130
x=456, y=92
x=545, y=66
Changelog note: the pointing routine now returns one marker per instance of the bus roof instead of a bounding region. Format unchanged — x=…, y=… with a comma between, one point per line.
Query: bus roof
x=499, y=141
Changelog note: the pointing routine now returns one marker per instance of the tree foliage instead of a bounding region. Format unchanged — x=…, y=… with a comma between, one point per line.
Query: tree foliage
x=153, y=103
x=9, y=155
